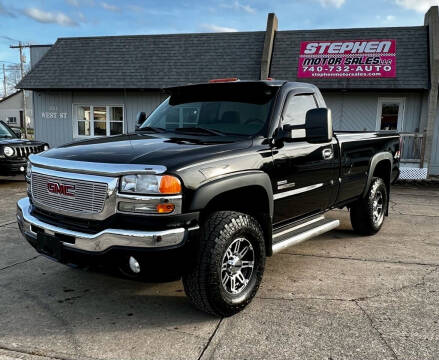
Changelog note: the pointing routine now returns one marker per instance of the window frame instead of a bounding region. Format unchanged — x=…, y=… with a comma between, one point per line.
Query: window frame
x=108, y=120
x=401, y=111
x=11, y=122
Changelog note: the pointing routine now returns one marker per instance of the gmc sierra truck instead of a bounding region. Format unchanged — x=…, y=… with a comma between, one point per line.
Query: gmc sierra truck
x=14, y=151
x=218, y=177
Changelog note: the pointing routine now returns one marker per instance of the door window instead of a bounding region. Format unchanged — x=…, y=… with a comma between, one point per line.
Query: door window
x=295, y=111
x=390, y=114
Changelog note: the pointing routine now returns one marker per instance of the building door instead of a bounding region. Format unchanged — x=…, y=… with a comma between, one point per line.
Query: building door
x=390, y=114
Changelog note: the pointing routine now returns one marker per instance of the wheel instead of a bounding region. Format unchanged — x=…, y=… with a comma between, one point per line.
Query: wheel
x=367, y=214
x=229, y=264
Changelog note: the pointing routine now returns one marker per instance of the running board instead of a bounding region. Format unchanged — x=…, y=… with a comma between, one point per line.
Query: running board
x=297, y=234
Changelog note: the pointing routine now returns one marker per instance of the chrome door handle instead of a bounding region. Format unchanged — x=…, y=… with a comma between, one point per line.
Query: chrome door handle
x=328, y=154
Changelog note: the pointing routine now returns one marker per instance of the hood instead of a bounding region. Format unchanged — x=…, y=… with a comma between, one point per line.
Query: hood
x=168, y=149
x=7, y=142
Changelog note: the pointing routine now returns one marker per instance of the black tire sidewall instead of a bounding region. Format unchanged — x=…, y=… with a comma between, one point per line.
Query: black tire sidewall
x=249, y=229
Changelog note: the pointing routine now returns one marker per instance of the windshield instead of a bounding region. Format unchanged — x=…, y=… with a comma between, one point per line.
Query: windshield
x=208, y=113
x=6, y=133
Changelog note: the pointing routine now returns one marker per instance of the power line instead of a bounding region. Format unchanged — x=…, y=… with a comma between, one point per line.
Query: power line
x=20, y=47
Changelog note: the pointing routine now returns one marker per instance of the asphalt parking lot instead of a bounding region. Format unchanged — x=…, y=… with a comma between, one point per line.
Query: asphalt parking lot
x=338, y=296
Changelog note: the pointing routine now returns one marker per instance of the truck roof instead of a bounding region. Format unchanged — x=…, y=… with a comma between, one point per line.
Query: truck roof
x=237, y=82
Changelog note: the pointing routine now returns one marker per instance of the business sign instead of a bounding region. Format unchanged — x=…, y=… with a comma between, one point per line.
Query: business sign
x=347, y=59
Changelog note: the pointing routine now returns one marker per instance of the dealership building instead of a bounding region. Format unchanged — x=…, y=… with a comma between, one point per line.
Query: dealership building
x=372, y=78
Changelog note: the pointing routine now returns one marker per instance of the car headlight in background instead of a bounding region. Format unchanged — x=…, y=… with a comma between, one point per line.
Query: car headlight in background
x=46, y=147
x=150, y=184
x=8, y=151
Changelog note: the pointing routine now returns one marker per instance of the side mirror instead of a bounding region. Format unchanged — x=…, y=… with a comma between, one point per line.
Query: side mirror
x=18, y=133
x=318, y=126
x=141, y=117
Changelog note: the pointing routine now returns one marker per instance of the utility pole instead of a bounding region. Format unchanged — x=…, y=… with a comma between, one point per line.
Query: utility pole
x=21, y=46
x=5, y=91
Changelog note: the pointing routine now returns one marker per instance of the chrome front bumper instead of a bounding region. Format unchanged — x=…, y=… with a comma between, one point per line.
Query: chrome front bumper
x=103, y=240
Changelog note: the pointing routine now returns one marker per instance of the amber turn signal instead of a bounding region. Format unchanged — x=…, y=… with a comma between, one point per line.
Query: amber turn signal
x=169, y=185
x=165, y=208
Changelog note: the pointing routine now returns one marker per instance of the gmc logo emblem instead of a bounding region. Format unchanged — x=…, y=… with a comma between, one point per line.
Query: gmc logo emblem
x=61, y=189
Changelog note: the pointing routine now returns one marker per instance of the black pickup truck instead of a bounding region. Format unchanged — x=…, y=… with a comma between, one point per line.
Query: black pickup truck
x=14, y=151
x=218, y=177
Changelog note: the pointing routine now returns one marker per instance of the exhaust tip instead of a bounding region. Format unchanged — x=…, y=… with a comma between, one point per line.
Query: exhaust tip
x=134, y=265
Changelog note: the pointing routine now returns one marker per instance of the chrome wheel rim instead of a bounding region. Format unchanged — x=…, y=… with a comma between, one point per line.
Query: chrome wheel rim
x=237, y=266
x=378, y=207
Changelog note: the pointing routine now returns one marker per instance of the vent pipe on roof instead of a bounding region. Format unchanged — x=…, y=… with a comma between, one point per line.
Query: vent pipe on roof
x=268, y=45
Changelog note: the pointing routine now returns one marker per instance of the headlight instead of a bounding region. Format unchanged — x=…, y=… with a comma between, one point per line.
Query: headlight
x=150, y=184
x=46, y=147
x=8, y=151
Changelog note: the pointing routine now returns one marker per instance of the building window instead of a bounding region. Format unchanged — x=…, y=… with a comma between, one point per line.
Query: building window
x=12, y=120
x=390, y=114
x=92, y=120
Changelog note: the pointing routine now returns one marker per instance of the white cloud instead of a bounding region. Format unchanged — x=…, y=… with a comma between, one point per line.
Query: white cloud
x=334, y=3
x=109, y=7
x=239, y=6
x=216, y=28
x=417, y=5
x=49, y=17
x=390, y=17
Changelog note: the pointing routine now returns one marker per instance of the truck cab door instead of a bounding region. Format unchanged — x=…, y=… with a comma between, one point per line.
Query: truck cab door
x=304, y=174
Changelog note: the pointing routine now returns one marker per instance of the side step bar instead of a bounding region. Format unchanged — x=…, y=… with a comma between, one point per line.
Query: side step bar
x=297, y=234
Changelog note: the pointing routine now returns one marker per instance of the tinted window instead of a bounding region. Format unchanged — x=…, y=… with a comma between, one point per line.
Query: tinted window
x=5, y=132
x=295, y=111
x=230, y=112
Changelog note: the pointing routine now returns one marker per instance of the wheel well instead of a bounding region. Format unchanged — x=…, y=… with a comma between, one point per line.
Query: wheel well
x=382, y=170
x=252, y=200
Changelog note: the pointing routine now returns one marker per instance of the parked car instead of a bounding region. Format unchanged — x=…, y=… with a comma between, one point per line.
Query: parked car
x=14, y=151
x=220, y=176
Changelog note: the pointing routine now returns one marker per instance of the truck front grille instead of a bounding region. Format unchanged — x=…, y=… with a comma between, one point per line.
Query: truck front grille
x=75, y=196
x=24, y=151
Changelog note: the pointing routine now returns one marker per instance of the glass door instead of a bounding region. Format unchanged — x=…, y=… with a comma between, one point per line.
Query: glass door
x=390, y=114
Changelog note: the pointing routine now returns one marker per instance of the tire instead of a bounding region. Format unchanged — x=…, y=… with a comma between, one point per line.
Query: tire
x=217, y=261
x=368, y=213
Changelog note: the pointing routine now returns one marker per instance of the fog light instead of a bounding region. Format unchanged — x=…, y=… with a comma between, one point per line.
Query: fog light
x=22, y=168
x=134, y=207
x=134, y=265
x=165, y=208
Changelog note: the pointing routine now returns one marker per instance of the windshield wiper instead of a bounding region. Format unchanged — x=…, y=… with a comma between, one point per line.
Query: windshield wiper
x=5, y=136
x=199, y=130
x=151, y=128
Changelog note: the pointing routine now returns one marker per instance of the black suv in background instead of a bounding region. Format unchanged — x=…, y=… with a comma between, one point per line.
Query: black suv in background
x=14, y=151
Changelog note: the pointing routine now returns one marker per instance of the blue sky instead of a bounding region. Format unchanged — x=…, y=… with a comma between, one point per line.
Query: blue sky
x=43, y=21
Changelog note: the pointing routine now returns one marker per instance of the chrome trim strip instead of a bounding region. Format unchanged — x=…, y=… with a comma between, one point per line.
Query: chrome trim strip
x=305, y=236
x=286, y=186
x=153, y=199
x=85, y=167
x=298, y=226
x=104, y=239
x=296, y=191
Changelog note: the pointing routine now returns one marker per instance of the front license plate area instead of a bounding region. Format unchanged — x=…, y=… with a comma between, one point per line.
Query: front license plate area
x=50, y=246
